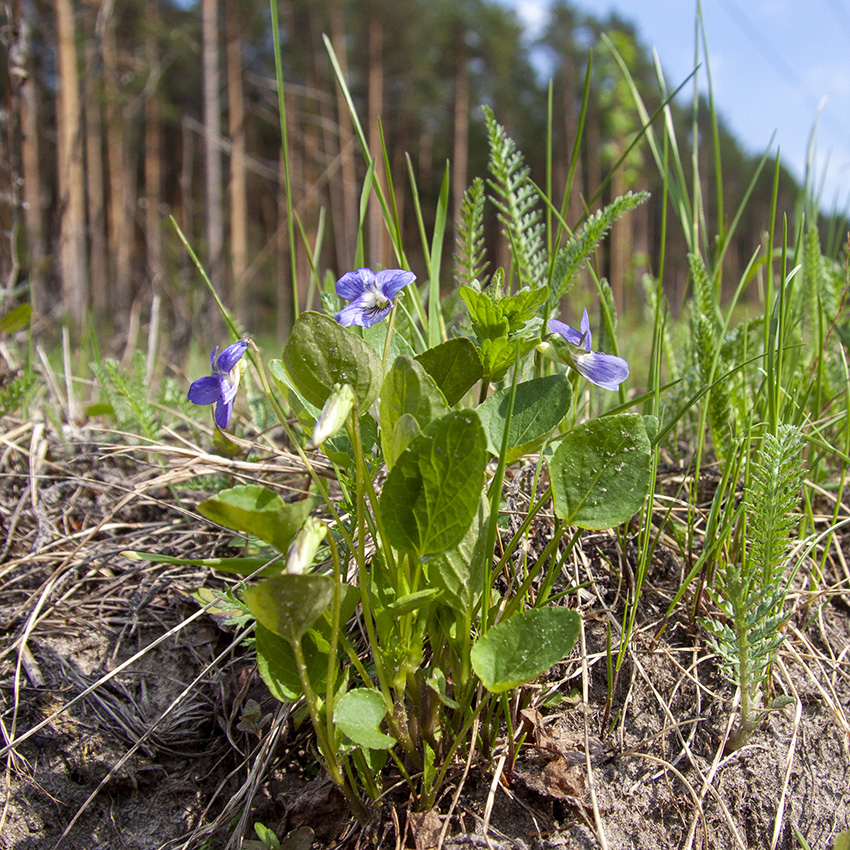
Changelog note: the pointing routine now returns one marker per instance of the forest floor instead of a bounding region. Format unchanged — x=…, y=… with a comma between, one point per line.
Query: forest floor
x=140, y=721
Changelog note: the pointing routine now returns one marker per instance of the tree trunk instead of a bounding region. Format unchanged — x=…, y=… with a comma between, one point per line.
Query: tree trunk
x=22, y=71
x=70, y=173
x=460, y=156
x=238, y=183
x=345, y=218
x=377, y=230
x=153, y=153
x=119, y=220
x=212, y=139
x=98, y=267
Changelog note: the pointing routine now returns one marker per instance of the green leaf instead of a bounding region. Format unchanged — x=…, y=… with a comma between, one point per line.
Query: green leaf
x=539, y=407
x=267, y=836
x=459, y=572
x=455, y=366
x=431, y=494
x=289, y=604
x=486, y=315
x=521, y=307
x=498, y=355
x=600, y=472
x=239, y=566
x=408, y=390
x=413, y=601
x=842, y=840
x=359, y=714
x=403, y=433
x=279, y=670
x=437, y=683
x=376, y=336
x=16, y=319
x=256, y=510
x=321, y=353
x=305, y=412
x=276, y=660
x=518, y=650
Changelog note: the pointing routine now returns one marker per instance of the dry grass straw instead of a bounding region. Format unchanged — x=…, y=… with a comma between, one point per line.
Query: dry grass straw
x=71, y=506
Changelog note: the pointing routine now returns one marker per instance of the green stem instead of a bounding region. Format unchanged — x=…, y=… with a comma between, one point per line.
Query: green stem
x=281, y=418
x=364, y=578
x=324, y=741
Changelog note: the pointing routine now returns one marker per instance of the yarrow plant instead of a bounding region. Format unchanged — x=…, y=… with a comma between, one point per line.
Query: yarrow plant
x=221, y=386
x=442, y=647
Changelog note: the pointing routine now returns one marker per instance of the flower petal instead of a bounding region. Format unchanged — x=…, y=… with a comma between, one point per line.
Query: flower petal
x=353, y=284
x=571, y=335
x=392, y=281
x=230, y=356
x=228, y=388
x=222, y=413
x=205, y=390
x=361, y=312
x=584, y=328
x=604, y=370
x=212, y=359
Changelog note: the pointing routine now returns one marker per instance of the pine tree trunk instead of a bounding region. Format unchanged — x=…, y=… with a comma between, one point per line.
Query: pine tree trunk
x=345, y=218
x=377, y=229
x=238, y=183
x=212, y=139
x=23, y=76
x=96, y=196
x=71, y=177
x=119, y=220
x=460, y=156
x=153, y=154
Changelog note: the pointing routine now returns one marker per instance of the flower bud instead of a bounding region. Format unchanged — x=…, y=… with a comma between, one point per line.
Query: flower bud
x=334, y=413
x=304, y=547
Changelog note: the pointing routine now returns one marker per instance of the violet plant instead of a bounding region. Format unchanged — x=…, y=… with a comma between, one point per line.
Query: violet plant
x=441, y=416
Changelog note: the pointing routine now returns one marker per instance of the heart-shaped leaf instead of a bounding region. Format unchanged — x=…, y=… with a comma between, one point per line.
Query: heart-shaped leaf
x=407, y=390
x=321, y=353
x=279, y=670
x=459, y=572
x=600, y=471
x=276, y=660
x=256, y=510
x=289, y=604
x=455, y=366
x=359, y=714
x=518, y=650
x=539, y=407
x=431, y=494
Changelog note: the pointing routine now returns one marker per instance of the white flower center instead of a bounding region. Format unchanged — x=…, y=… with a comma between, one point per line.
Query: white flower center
x=374, y=300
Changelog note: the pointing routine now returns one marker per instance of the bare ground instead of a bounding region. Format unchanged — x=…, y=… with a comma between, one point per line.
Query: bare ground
x=133, y=717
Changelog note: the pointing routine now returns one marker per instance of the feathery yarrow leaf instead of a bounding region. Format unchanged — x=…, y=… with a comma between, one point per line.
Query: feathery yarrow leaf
x=711, y=368
x=772, y=501
x=515, y=199
x=471, y=262
x=705, y=292
x=580, y=247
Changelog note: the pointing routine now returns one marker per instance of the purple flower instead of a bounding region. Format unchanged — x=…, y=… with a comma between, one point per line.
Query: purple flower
x=604, y=370
x=371, y=295
x=220, y=387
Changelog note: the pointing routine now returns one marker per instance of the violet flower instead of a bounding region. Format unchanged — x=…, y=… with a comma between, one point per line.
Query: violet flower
x=604, y=370
x=220, y=387
x=371, y=295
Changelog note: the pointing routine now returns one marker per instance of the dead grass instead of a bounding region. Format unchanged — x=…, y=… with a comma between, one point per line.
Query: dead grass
x=117, y=688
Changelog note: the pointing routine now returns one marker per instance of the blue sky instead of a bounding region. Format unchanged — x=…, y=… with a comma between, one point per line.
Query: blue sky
x=776, y=65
